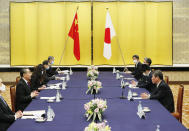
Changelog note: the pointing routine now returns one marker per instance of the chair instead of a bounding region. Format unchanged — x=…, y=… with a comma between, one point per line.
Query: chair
x=178, y=113
x=13, y=96
x=17, y=79
x=166, y=79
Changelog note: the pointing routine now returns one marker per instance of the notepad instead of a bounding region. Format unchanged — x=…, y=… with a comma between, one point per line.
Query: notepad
x=28, y=117
x=48, y=98
x=33, y=114
x=129, y=78
x=137, y=98
x=53, y=87
x=133, y=87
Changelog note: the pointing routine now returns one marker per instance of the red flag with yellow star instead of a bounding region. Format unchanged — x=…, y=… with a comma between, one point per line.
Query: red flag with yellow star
x=74, y=34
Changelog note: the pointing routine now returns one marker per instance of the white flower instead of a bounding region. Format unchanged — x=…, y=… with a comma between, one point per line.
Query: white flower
x=96, y=110
x=98, y=127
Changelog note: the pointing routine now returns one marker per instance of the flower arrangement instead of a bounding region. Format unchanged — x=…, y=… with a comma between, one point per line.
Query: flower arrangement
x=92, y=68
x=94, y=86
x=92, y=73
x=98, y=127
x=95, y=109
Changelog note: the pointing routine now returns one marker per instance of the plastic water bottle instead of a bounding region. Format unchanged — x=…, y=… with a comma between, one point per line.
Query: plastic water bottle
x=117, y=76
x=122, y=82
x=67, y=77
x=158, y=128
x=58, y=96
x=139, y=107
x=129, y=95
x=63, y=85
x=114, y=70
x=71, y=71
x=49, y=114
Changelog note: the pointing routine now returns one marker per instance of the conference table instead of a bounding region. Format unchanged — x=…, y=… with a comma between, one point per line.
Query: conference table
x=121, y=114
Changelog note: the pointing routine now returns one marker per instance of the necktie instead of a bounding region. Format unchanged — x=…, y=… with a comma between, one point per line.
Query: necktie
x=28, y=83
x=3, y=100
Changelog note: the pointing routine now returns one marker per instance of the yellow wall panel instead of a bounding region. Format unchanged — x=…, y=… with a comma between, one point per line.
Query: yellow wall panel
x=158, y=32
x=40, y=29
x=143, y=28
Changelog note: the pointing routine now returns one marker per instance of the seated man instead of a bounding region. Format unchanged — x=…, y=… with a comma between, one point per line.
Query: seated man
x=146, y=80
x=46, y=77
x=50, y=72
x=162, y=93
x=147, y=61
x=7, y=117
x=137, y=73
x=47, y=67
x=24, y=95
x=38, y=78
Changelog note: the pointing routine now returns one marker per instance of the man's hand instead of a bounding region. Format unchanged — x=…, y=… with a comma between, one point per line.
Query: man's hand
x=145, y=96
x=42, y=87
x=57, y=78
x=128, y=72
x=133, y=83
x=18, y=114
x=60, y=72
x=34, y=94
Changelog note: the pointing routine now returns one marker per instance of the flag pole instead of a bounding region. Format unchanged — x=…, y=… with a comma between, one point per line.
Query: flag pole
x=125, y=68
x=58, y=69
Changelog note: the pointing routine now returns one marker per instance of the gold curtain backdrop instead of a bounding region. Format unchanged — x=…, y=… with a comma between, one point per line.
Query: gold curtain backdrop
x=40, y=29
x=143, y=28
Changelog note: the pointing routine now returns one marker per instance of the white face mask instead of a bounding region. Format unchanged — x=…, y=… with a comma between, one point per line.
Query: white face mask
x=135, y=61
x=2, y=88
x=144, y=74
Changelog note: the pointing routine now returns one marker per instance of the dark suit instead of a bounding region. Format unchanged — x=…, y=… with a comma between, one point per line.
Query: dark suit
x=6, y=116
x=50, y=72
x=38, y=81
x=138, y=70
x=146, y=82
x=35, y=82
x=164, y=95
x=23, y=97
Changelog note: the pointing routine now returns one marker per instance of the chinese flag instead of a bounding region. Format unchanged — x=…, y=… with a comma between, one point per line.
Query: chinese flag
x=74, y=34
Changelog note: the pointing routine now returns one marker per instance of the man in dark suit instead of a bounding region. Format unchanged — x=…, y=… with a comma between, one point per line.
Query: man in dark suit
x=137, y=73
x=147, y=61
x=23, y=91
x=46, y=67
x=38, y=78
x=146, y=80
x=50, y=72
x=7, y=117
x=162, y=93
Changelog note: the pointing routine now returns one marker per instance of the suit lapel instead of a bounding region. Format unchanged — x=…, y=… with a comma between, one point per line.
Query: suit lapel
x=26, y=86
x=5, y=107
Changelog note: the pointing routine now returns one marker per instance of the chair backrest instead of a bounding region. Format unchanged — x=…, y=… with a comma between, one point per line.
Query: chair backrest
x=180, y=101
x=13, y=96
x=17, y=79
x=166, y=79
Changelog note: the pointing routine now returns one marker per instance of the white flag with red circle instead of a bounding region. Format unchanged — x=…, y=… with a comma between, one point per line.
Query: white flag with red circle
x=109, y=34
